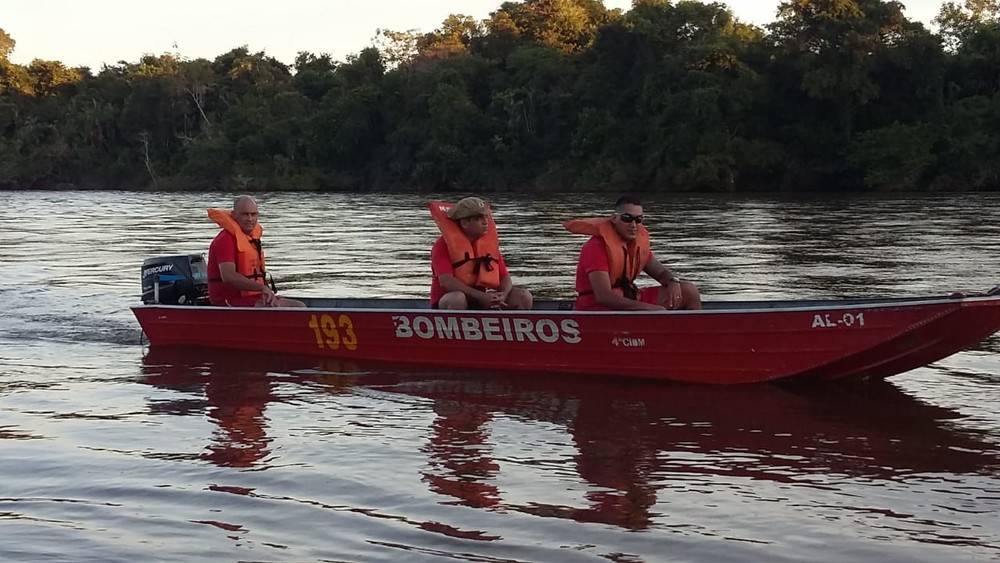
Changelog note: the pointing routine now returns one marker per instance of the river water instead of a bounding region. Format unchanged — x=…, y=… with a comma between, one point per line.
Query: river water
x=110, y=451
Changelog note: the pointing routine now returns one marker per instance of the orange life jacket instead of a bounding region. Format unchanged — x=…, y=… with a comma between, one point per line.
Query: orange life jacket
x=249, y=252
x=474, y=262
x=627, y=259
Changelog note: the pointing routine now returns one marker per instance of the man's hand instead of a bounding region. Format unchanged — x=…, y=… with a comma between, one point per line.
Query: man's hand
x=674, y=296
x=268, y=297
x=492, y=299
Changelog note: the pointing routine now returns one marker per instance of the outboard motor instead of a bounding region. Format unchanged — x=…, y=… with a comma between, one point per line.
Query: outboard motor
x=175, y=280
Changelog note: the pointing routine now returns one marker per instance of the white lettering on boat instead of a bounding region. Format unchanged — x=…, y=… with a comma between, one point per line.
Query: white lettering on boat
x=493, y=329
x=628, y=342
x=447, y=327
x=157, y=269
x=423, y=327
x=522, y=328
x=826, y=320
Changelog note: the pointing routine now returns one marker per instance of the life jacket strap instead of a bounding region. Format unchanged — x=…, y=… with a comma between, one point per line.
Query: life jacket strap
x=479, y=262
x=629, y=289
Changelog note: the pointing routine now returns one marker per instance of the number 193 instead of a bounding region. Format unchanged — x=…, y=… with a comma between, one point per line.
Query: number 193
x=332, y=333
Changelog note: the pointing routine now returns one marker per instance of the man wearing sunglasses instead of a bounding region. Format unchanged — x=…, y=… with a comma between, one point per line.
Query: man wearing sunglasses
x=613, y=258
x=468, y=270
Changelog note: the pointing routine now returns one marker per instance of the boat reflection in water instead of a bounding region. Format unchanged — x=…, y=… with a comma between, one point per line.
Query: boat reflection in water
x=632, y=440
x=236, y=396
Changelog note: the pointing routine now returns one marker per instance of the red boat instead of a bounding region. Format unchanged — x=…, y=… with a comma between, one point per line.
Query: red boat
x=726, y=343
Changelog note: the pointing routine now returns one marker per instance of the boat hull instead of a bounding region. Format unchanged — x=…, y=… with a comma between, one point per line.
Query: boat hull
x=728, y=343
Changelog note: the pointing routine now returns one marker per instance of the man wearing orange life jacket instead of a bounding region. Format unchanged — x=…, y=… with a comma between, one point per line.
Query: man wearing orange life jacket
x=236, y=260
x=468, y=270
x=613, y=258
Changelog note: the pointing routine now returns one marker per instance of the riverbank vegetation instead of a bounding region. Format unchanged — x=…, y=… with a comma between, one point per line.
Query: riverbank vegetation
x=544, y=94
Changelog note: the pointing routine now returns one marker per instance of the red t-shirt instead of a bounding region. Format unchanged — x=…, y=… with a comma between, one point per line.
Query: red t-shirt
x=222, y=249
x=441, y=264
x=593, y=258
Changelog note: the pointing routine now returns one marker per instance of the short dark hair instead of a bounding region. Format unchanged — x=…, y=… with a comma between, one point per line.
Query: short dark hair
x=627, y=200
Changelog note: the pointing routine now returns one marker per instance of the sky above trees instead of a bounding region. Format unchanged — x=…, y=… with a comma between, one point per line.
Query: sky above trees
x=108, y=31
x=544, y=94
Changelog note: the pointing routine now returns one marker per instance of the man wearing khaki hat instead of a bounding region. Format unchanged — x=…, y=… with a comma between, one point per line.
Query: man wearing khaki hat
x=468, y=270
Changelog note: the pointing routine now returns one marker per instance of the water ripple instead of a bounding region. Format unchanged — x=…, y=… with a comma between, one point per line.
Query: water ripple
x=115, y=453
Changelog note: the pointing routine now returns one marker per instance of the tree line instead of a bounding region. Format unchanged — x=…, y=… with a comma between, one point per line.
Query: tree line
x=541, y=95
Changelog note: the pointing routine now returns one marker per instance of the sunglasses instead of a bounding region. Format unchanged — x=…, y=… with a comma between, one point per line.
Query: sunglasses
x=629, y=218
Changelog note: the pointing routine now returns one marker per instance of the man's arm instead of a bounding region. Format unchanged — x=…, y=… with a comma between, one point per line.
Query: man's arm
x=499, y=299
x=600, y=283
x=228, y=273
x=506, y=285
x=660, y=273
x=667, y=279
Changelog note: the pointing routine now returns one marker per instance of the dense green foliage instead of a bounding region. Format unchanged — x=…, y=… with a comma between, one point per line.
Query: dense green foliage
x=544, y=94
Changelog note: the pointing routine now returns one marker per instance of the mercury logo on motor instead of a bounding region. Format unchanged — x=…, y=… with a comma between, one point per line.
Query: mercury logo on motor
x=157, y=269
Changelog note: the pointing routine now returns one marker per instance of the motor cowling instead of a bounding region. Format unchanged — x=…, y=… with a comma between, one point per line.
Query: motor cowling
x=175, y=280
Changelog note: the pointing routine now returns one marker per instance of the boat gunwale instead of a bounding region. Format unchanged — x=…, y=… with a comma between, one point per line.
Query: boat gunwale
x=713, y=308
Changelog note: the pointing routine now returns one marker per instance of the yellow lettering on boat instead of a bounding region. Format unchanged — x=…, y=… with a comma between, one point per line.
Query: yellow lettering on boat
x=333, y=333
x=350, y=339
